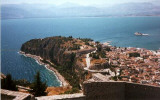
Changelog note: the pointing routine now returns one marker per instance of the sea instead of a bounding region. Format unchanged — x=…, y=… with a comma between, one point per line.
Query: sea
x=119, y=30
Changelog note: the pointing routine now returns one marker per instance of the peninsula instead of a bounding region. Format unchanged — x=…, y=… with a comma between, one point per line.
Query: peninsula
x=74, y=60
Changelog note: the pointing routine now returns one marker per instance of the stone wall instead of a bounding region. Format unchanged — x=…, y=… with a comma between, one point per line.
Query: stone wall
x=141, y=92
x=85, y=51
x=120, y=91
x=104, y=90
x=77, y=96
x=15, y=95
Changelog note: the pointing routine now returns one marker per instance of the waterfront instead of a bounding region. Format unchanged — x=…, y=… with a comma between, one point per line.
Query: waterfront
x=120, y=31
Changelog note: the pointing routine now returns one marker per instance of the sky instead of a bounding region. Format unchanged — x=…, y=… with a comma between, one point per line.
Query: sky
x=80, y=2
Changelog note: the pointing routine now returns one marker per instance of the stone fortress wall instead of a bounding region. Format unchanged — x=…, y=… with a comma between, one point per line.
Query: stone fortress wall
x=104, y=90
x=120, y=91
x=141, y=92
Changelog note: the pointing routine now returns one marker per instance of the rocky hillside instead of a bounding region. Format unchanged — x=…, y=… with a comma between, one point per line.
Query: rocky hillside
x=66, y=53
x=56, y=49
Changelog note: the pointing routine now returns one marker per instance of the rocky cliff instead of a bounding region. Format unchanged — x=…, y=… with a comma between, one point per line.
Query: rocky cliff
x=52, y=48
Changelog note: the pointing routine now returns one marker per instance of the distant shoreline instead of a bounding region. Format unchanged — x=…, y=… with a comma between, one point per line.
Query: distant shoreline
x=60, y=78
x=79, y=17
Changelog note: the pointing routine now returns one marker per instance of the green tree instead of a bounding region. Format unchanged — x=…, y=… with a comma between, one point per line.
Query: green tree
x=108, y=49
x=99, y=48
x=135, y=54
x=97, y=42
x=38, y=86
x=8, y=83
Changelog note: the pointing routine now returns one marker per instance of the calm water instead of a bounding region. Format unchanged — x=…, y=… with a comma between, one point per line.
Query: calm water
x=118, y=30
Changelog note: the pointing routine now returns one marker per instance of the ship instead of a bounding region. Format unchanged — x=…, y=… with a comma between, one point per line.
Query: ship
x=140, y=34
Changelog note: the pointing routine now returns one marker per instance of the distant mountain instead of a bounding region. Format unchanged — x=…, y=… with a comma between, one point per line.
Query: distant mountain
x=75, y=10
x=134, y=9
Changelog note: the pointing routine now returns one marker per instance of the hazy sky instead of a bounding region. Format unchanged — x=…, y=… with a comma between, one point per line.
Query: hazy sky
x=81, y=2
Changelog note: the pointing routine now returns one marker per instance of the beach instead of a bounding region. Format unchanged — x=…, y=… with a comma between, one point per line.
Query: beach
x=38, y=59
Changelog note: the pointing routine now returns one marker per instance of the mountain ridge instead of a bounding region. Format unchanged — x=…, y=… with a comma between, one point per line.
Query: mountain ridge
x=74, y=10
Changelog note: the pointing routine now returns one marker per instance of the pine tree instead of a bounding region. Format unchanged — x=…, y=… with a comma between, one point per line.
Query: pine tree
x=38, y=86
x=8, y=83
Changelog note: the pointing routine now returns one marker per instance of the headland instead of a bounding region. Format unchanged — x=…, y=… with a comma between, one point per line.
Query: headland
x=74, y=60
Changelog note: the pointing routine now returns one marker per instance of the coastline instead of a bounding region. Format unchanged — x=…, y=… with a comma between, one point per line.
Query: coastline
x=60, y=78
x=84, y=17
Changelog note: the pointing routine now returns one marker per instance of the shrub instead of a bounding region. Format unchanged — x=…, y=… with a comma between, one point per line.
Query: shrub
x=71, y=91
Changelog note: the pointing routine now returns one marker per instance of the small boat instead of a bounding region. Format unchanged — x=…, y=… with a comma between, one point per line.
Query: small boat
x=140, y=34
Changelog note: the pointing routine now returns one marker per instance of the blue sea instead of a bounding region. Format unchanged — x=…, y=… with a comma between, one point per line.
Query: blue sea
x=119, y=30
